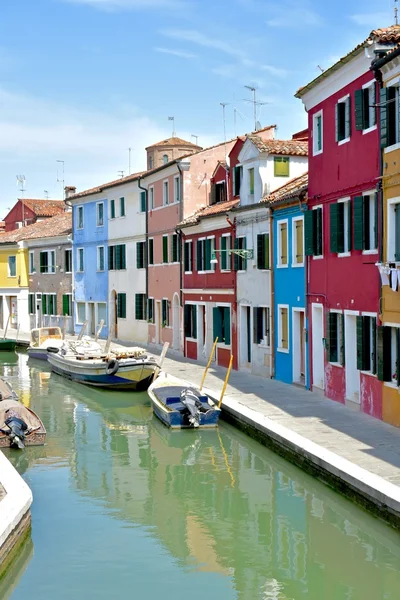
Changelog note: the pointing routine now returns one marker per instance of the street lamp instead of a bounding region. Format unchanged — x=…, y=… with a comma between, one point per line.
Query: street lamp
x=241, y=252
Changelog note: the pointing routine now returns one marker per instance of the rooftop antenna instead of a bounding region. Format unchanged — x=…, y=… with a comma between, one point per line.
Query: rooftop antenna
x=173, y=125
x=254, y=102
x=224, y=105
x=320, y=68
x=129, y=167
x=46, y=194
x=63, y=178
x=121, y=174
x=396, y=13
x=21, y=183
x=196, y=137
x=236, y=111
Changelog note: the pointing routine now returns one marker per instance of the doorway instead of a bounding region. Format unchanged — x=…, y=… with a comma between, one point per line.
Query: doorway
x=91, y=319
x=201, y=332
x=158, y=321
x=299, y=346
x=350, y=352
x=176, y=331
x=245, y=337
x=318, y=374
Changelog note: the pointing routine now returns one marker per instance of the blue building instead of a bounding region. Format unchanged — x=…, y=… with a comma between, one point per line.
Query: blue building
x=287, y=205
x=90, y=258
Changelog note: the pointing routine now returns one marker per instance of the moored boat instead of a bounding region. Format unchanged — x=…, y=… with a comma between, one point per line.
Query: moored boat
x=7, y=345
x=41, y=339
x=181, y=405
x=20, y=426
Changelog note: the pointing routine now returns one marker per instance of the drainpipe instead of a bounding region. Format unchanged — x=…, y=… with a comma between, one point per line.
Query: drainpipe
x=235, y=304
x=147, y=241
x=70, y=205
x=179, y=232
x=380, y=193
x=272, y=285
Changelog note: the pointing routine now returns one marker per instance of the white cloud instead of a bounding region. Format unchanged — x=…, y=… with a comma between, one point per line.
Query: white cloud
x=372, y=20
x=131, y=4
x=292, y=14
x=277, y=72
x=200, y=39
x=180, y=53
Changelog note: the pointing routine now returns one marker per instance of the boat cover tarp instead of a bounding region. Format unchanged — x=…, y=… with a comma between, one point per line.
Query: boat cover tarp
x=23, y=413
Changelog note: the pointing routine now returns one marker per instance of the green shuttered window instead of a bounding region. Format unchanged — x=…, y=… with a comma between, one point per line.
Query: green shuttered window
x=151, y=251
x=190, y=321
x=364, y=105
x=121, y=306
x=117, y=257
x=150, y=310
x=222, y=324
x=384, y=353
x=140, y=255
x=31, y=304
x=143, y=201
x=263, y=251
x=67, y=305
x=343, y=119
x=175, y=248
x=335, y=337
x=188, y=256
x=112, y=209
x=203, y=255
x=122, y=207
x=165, y=248
x=140, y=307
x=313, y=232
x=165, y=312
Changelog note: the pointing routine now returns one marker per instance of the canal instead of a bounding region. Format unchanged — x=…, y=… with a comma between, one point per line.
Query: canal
x=125, y=508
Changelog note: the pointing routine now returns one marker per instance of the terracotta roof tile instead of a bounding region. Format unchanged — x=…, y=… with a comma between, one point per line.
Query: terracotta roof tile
x=44, y=208
x=59, y=225
x=109, y=184
x=209, y=211
x=174, y=141
x=288, y=147
x=288, y=191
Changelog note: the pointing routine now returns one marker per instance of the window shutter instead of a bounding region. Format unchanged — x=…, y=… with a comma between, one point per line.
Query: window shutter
x=397, y=232
x=349, y=229
x=260, y=251
x=118, y=256
x=213, y=193
x=227, y=325
x=373, y=122
x=384, y=116
x=333, y=337
x=376, y=220
x=334, y=226
x=359, y=109
x=165, y=249
x=139, y=255
x=342, y=341
x=224, y=256
x=123, y=256
x=244, y=260
x=44, y=304
x=383, y=342
x=186, y=319
x=360, y=345
x=151, y=252
x=217, y=323
x=374, y=357
x=348, y=117
x=143, y=201
x=65, y=304
x=358, y=223
x=194, y=316
x=235, y=257
x=266, y=250
x=186, y=256
x=337, y=137
x=318, y=231
x=199, y=255
x=174, y=242
x=309, y=239
x=109, y=258
x=208, y=255
x=112, y=209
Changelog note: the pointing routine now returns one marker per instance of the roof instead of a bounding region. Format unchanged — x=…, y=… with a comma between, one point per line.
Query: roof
x=174, y=141
x=379, y=62
x=109, y=184
x=43, y=208
x=59, y=225
x=288, y=147
x=209, y=211
x=290, y=190
x=385, y=35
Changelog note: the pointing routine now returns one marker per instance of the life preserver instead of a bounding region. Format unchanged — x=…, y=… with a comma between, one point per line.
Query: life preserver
x=53, y=349
x=112, y=366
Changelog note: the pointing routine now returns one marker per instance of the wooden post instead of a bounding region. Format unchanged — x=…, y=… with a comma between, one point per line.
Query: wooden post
x=209, y=362
x=5, y=331
x=161, y=360
x=99, y=330
x=82, y=331
x=64, y=329
x=226, y=381
x=108, y=343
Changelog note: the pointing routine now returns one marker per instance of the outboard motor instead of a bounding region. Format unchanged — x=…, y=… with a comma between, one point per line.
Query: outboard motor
x=16, y=429
x=193, y=405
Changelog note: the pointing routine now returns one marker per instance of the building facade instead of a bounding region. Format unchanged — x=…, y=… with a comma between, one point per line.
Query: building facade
x=14, y=285
x=27, y=211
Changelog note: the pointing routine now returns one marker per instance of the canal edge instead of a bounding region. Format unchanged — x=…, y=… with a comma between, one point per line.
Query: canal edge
x=15, y=517
x=367, y=490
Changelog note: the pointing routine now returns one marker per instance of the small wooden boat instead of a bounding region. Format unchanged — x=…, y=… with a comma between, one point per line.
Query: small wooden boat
x=34, y=435
x=41, y=339
x=180, y=405
x=7, y=345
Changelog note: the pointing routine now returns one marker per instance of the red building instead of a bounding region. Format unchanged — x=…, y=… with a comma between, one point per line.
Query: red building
x=27, y=211
x=342, y=236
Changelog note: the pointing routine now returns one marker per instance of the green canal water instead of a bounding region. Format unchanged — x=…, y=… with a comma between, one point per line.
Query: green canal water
x=125, y=508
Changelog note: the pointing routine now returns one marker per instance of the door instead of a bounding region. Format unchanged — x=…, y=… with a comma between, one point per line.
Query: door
x=350, y=352
x=158, y=321
x=318, y=346
x=245, y=336
x=299, y=350
x=13, y=312
x=248, y=333
x=201, y=331
x=302, y=346
x=176, y=322
x=39, y=312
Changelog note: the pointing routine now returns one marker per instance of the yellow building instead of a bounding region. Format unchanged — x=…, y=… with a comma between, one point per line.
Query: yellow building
x=14, y=284
x=387, y=70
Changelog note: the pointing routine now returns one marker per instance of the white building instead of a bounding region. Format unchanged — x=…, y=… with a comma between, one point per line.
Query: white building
x=265, y=165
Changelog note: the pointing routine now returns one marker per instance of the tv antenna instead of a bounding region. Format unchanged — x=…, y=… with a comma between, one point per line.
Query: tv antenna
x=196, y=137
x=173, y=125
x=129, y=167
x=320, y=68
x=121, y=174
x=46, y=194
x=254, y=102
x=62, y=181
x=396, y=13
x=236, y=111
x=21, y=184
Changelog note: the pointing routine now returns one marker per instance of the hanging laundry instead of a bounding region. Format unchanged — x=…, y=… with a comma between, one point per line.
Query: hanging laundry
x=384, y=272
x=393, y=274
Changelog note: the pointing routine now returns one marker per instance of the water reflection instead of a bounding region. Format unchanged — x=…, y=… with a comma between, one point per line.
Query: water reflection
x=234, y=518
x=10, y=580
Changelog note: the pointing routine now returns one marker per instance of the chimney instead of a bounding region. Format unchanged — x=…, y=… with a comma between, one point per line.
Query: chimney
x=69, y=190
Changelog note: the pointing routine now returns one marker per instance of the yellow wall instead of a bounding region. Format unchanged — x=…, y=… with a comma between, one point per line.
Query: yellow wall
x=21, y=279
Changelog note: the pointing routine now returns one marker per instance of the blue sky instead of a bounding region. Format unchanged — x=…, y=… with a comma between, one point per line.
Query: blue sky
x=84, y=80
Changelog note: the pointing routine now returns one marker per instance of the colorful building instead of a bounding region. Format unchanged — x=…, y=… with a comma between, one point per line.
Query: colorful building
x=29, y=210
x=341, y=226
x=287, y=205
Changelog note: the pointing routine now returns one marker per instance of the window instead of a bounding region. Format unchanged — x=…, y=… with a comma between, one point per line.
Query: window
x=343, y=120
x=389, y=110
x=68, y=261
x=175, y=248
x=190, y=321
x=281, y=166
x=112, y=209
x=365, y=110
x=177, y=189
x=225, y=256
x=165, y=193
x=49, y=304
x=205, y=248
x=121, y=306
x=48, y=261
x=188, y=256
x=251, y=181
x=366, y=343
x=218, y=192
x=317, y=133
x=140, y=255
x=313, y=232
x=150, y=162
x=101, y=313
x=165, y=159
x=80, y=217
x=222, y=324
x=143, y=202
x=165, y=312
x=117, y=257
x=261, y=327
x=31, y=262
x=81, y=264
x=31, y=304
x=165, y=248
x=335, y=337
x=263, y=251
x=67, y=305
x=151, y=251
x=122, y=207
x=366, y=221
x=237, y=180
x=140, y=307
x=100, y=214
x=100, y=258
x=298, y=242
x=150, y=310
x=388, y=353
x=151, y=192
x=283, y=244
x=80, y=312
x=240, y=262
x=340, y=229
x=283, y=328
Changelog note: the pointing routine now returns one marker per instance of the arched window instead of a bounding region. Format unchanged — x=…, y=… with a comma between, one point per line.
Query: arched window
x=165, y=158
